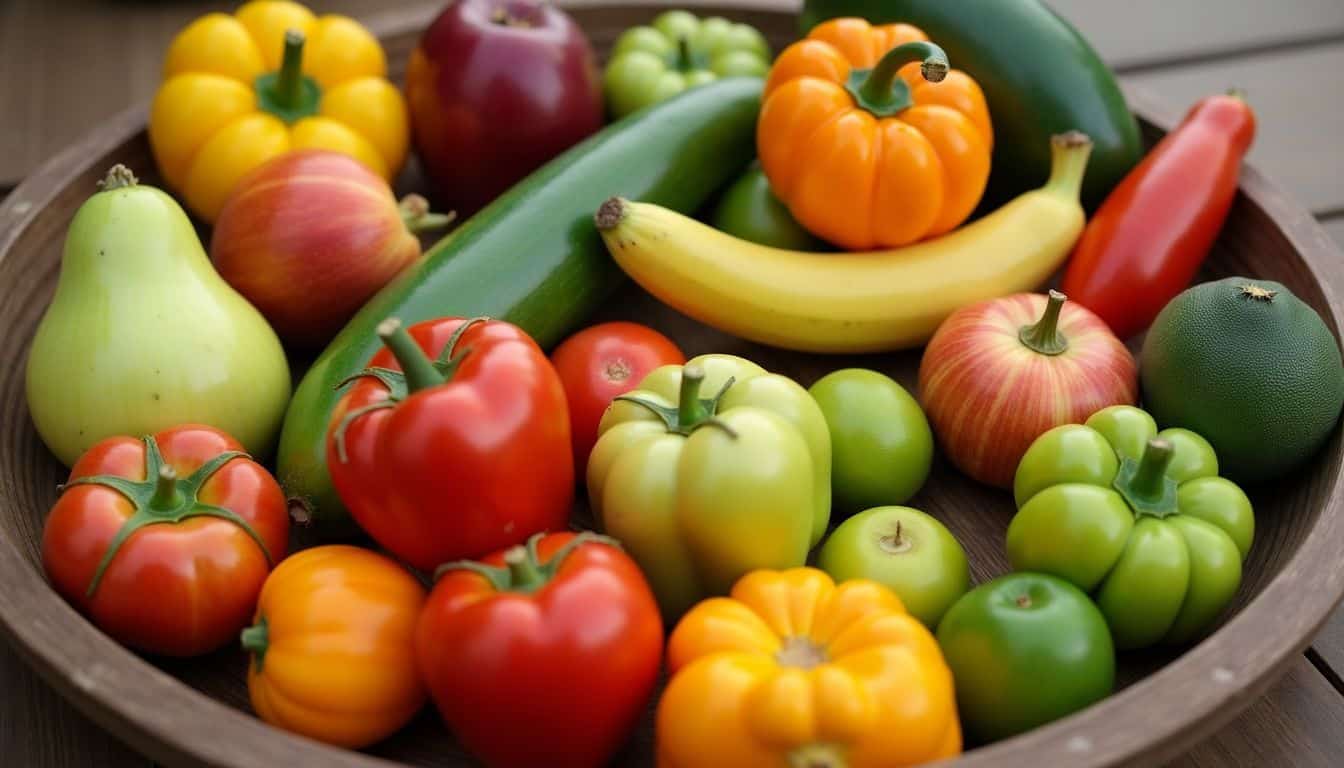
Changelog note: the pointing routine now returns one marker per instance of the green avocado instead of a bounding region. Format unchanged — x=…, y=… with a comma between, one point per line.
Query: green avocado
x=1249, y=366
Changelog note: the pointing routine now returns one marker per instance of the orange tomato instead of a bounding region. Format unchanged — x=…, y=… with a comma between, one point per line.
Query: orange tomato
x=870, y=139
x=333, y=646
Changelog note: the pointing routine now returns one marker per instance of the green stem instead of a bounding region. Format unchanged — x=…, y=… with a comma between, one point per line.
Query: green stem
x=684, y=62
x=1150, y=478
x=166, y=494
x=1044, y=337
x=289, y=79
x=881, y=90
x=415, y=214
x=256, y=639
x=524, y=572
x=690, y=409
x=415, y=364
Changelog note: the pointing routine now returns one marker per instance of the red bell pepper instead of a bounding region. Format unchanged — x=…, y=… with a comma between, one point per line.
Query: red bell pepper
x=164, y=541
x=543, y=655
x=459, y=456
x=1148, y=239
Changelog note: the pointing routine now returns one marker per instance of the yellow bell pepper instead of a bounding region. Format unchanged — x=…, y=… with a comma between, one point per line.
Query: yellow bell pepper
x=791, y=671
x=239, y=90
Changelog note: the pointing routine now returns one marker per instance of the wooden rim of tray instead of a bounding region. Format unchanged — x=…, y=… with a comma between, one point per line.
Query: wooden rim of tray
x=1150, y=721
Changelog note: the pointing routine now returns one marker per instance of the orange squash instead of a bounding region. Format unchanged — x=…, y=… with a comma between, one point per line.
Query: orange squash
x=870, y=139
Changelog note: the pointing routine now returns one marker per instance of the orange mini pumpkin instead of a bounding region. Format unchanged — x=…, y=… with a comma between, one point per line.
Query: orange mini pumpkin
x=870, y=139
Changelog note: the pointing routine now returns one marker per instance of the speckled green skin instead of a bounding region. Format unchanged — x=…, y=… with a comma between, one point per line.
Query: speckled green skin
x=1260, y=378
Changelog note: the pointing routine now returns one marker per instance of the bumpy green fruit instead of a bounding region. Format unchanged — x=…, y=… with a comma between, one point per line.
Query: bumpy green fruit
x=143, y=334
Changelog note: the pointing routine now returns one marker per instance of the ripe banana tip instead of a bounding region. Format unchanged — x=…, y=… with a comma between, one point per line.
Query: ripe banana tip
x=610, y=213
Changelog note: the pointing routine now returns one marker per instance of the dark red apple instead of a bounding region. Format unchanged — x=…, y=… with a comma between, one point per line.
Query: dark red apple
x=309, y=236
x=495, y=89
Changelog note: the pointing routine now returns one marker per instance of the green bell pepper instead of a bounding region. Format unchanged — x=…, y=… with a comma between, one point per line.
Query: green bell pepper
x=1139, y=518
x=679, y=51
x=701, y=490
x=1040, y=78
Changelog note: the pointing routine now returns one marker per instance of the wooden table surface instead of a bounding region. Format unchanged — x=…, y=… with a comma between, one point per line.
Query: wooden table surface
x=66, y=64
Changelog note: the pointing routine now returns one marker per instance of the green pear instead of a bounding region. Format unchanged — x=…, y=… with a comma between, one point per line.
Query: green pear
x=143, y=334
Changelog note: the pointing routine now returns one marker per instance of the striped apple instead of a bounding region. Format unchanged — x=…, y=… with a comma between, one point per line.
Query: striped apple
x=999, y=373
x=309, y=236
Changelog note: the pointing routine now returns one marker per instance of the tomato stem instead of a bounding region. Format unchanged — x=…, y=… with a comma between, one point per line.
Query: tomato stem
x=415, y=364
x=1045, y=337
x=684, y=61
x=691, y=409
x=118, y=176
x=882, y=91
x=166, y=494
x=1145, y=485
x=1150, y=478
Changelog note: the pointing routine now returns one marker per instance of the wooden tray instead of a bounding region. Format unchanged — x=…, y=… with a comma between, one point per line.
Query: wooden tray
x=196, y=712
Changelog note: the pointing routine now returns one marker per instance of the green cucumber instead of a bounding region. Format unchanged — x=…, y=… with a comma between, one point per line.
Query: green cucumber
x=532, y=257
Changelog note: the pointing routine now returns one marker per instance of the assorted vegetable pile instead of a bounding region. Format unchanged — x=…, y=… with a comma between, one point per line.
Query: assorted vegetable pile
x=752, y=543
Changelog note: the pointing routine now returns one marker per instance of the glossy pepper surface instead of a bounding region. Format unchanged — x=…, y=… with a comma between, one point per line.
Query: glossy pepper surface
x=164, y=541
x=700, y=490
x=459, y=455
x=1137, y=517
x=333, y=646
x=1039, y=75
x=792, y=671
x=544, y=654
x=677, y=51
x=241, y=89
x=869, y=138
x=1149, y=238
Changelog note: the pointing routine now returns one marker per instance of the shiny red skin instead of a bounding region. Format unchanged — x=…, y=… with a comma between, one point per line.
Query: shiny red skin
x=988, y=396
x=180, y=589
x=1150, y=236
x=464, y=468
x=491, y=102
x=558, y=678
x=308, y=238
x=599, y=363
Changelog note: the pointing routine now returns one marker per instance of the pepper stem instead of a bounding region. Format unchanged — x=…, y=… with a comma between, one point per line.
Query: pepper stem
x=881, y=90
x=415, y=364
x=118, y=176
x=166, y=494
x=1044, y=337
x=684, y=62
x=1150, y=478
x=524, y=573
x=289, y=79
x=415, y=214
x=690, y=409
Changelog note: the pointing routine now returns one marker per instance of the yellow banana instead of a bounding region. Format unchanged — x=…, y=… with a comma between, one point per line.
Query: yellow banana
x=850, y=302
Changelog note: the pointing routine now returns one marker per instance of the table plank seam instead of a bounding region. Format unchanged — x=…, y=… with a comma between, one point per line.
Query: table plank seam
x=1331, y=675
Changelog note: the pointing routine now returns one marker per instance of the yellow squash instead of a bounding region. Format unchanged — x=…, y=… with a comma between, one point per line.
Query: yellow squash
x=849, y=302
x=239, y=90
x=792, y=671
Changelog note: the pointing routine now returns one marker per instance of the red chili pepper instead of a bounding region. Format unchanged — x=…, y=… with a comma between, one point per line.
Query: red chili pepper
x=544, y=654
x=1148, y=239
x=457, y=456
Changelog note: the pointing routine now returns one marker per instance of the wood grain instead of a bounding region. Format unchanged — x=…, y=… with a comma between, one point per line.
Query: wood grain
x=1301, y=117
x=1292, y=579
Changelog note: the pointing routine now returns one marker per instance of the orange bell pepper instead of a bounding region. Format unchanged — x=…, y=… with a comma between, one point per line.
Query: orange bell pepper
x=333, y=646
x=870, y=139
x=792, y=671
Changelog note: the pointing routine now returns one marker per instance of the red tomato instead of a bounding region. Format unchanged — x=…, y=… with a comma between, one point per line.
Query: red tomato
x=599, y=363
x=457, y=457
x=544, y=655
x=202, y=524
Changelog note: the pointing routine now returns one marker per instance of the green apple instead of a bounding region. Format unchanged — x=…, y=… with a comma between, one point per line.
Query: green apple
x=904, y=549
x=881, y=444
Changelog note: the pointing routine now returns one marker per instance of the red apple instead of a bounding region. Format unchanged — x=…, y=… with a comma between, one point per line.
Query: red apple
x=998, y=374
x=310, y=236
x=495, y=89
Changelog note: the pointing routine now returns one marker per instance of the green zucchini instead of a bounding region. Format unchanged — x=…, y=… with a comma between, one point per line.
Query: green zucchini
x=532, y=257
x=1039, y=75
